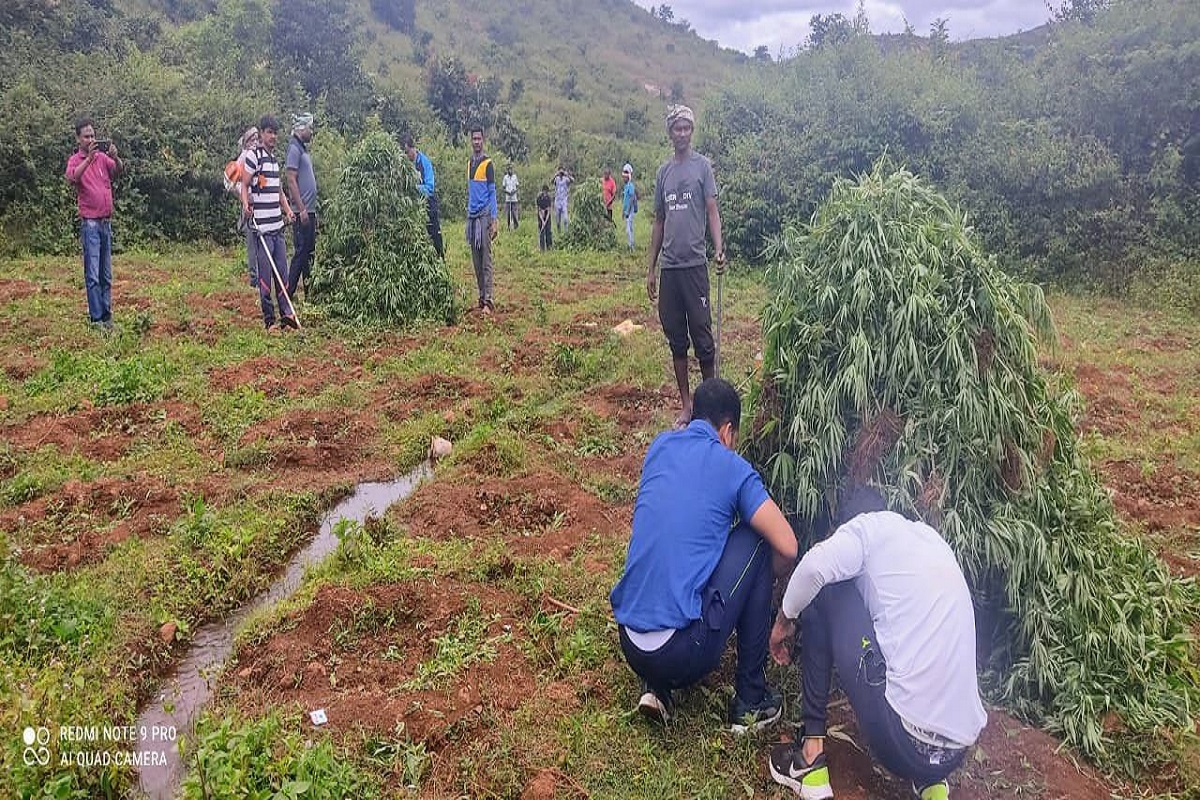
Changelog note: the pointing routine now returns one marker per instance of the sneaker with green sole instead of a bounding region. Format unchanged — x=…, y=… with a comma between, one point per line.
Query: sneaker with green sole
x=788, y=768
x=934, y=791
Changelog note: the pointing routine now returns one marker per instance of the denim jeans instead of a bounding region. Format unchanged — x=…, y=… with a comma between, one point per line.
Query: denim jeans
x=737, y=597
x=96, y=237
x=271, y=246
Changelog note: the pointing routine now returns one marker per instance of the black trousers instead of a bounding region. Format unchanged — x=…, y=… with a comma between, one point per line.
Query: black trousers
x=837, y=631
x=683, y=310
x=435, y=225
x=304, y=243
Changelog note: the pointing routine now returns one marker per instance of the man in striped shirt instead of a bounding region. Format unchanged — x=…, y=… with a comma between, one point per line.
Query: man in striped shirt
x=266, y=207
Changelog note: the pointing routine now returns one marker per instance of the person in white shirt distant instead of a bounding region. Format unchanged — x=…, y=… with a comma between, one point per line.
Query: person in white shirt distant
x=512, y=201
x=883, y=600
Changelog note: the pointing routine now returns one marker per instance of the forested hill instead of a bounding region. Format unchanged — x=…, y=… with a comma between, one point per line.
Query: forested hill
x=599, y=66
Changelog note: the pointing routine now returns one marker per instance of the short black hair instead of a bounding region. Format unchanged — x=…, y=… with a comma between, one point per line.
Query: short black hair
x=717, y=402
x=83, y=122
x=407, y=141
x=268, y=123
x=855, y=500
x=473, y=128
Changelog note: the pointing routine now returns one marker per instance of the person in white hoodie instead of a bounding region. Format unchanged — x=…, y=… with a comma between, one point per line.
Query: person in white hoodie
x=883, y=600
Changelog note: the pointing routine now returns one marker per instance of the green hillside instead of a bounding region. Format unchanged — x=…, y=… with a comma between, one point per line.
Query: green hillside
x=583, y=63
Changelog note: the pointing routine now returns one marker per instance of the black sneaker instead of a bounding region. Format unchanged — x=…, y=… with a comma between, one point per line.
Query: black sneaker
x=788, y=768
x=655, y=707
x=749, y=717
x=290, y=321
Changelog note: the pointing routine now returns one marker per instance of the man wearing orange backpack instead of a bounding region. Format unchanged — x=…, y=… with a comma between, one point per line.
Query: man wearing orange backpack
x=234, y=171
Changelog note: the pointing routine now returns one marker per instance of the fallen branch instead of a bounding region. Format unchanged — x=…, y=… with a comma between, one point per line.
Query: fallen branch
x=562, y=605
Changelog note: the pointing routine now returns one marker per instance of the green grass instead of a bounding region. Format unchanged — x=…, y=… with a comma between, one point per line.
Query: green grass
x=92, y=651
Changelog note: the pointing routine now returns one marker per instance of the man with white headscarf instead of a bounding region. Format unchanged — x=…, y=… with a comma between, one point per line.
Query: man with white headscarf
x=685, y=209
x=302, y=187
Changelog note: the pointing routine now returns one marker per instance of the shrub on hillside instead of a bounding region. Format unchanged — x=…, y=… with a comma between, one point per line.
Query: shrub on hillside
x=590, y=227
x=898, y=354
x=375, y=262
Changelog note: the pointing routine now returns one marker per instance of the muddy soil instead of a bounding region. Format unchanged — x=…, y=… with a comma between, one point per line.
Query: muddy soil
x=1011, y=760
x=275, y=378
x=437, y=393
x=315, y=449
x=102, y=434
x=536, y=514
x=73, y=526
x=365, y=656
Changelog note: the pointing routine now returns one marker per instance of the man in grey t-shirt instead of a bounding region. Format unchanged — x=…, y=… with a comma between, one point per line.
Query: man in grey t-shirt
x=685, y=206
x=302, y=188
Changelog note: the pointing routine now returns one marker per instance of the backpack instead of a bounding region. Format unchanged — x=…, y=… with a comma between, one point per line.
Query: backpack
x=234, y=172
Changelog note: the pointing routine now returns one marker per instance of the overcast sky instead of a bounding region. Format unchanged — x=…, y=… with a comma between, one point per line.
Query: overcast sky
x=745, y=24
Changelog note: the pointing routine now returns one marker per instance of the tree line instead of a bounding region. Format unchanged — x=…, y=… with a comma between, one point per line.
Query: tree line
x=1074, y=149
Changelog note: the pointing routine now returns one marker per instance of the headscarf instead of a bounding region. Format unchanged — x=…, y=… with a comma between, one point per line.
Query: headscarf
x=251, y=135
x=301, y=122
x=627, y=170
x=676, y=113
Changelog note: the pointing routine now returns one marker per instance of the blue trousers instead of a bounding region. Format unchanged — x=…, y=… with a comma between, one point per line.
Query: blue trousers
x=96, y=238
x=271, y=246
x=737, y=597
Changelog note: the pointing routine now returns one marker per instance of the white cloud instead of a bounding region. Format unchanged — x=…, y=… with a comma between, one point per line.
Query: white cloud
x=745, y=24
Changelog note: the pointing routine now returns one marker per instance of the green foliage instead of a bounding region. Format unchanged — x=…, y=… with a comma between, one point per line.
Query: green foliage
x=455, y=650
x=39, y=621
x=270, y=760
x=1042, y=146
x=108, y=380
x=590, y=227
x=898, y=353
x=376, y=262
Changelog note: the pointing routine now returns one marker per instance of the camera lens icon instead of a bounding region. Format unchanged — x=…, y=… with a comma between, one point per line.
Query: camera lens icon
x=39, y=755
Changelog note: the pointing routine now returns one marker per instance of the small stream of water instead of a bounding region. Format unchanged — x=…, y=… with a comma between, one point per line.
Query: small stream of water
x=192, y=682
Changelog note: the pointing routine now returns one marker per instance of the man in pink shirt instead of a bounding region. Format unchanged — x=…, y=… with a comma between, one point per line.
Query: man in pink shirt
x=90, y=171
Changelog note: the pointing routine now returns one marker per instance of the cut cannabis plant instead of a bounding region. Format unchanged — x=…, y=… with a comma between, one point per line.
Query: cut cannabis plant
x=897, y=353
x=590, y=227
x=376, y=263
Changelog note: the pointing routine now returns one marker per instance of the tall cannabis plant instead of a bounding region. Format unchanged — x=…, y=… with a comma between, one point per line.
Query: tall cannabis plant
x=376, y=263
x=898, y=354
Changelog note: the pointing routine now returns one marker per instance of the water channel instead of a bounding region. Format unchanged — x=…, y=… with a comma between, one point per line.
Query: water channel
x=192, y=682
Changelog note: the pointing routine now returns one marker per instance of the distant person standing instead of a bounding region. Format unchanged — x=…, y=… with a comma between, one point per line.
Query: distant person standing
x=685, y=208
x=562, y=193
x=234, y=171
x=608, y=189
x=482, y=223
x=302, y=189
x=90, y=171
x=266, y=207
x=629, y=206
x=511, y=199
x=427, y=187
x=545, y=236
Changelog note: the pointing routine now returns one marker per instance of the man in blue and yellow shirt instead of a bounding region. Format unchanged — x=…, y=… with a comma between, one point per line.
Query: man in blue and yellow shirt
x=482, y=213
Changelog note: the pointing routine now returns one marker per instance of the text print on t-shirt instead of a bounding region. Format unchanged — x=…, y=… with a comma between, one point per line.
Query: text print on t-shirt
x=679, y=202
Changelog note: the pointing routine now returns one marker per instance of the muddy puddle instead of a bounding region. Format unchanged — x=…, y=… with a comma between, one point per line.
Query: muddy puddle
x=192, y=683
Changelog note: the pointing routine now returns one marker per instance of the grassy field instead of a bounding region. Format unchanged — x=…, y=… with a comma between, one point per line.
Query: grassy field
x=461, y=644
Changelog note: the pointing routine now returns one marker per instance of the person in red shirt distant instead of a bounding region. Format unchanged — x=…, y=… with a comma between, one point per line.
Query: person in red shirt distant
x=90, y=171
x=610, y=191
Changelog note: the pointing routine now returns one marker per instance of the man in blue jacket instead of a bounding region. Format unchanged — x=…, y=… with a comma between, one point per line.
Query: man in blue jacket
x=706, y=540
x=482, y=214
x=426, y=187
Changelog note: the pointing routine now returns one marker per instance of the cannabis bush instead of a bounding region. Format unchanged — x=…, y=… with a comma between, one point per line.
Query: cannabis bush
x=590, y=227
x=898, y=354
x=375, y=262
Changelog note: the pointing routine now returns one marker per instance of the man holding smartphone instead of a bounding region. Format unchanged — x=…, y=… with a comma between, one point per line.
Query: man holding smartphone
x=90, y=171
